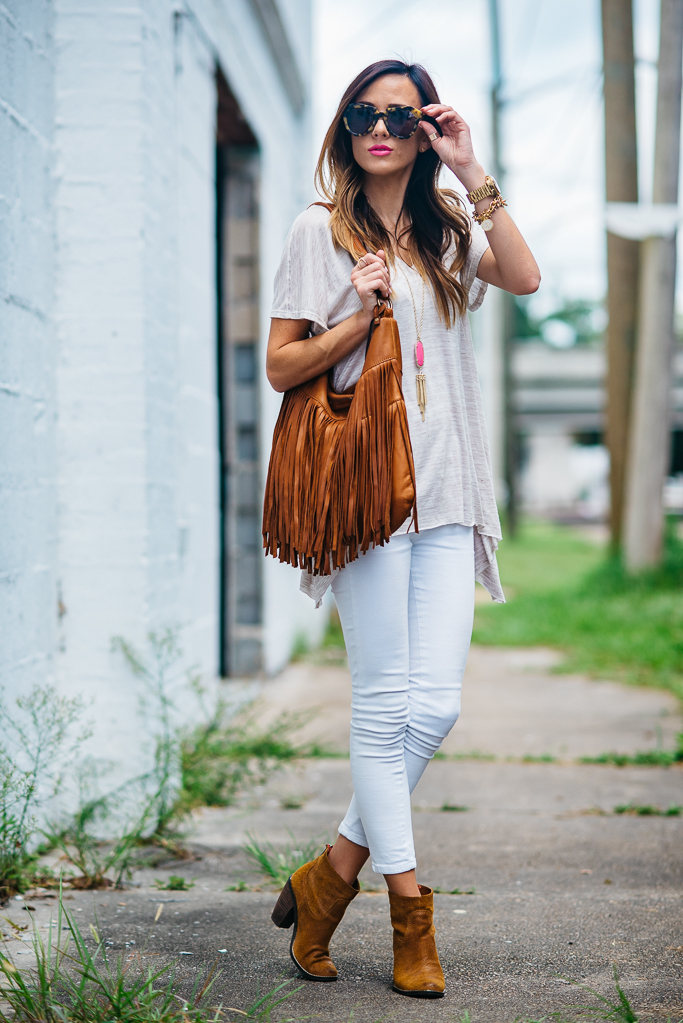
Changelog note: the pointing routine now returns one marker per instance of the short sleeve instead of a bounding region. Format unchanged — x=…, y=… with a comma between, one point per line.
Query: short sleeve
x=475, y=288
x=307, y=280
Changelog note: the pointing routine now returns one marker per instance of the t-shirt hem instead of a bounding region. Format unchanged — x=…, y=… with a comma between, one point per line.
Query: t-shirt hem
x=485, y=530
x=298, y=314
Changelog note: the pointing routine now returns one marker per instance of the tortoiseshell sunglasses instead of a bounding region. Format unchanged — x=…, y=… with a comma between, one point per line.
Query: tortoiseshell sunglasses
x=400, y=121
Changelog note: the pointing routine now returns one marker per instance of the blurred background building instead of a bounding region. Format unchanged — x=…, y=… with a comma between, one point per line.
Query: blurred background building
x=152, y=158
x=559, y=402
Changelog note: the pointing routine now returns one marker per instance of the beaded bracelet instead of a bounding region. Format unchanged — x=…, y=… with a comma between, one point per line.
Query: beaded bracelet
x=484, y=218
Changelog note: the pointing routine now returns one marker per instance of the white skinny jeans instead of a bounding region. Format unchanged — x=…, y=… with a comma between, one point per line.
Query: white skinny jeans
x=406, y=610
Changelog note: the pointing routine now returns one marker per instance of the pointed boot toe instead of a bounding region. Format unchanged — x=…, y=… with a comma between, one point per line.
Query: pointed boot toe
x=417, y=970
x=313, y=902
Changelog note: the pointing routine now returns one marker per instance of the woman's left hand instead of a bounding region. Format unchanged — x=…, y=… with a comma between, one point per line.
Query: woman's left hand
x=454, y=147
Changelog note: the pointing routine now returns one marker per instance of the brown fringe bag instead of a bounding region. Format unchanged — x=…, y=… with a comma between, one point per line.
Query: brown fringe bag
x=341, y=477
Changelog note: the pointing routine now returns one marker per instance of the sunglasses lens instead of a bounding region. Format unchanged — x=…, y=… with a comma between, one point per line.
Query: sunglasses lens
x=401, y=121
x=359, y=118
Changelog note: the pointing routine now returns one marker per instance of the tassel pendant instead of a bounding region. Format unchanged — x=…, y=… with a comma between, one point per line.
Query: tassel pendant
x=421, y=382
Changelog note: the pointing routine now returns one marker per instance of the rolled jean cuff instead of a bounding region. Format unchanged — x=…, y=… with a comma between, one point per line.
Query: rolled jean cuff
x=394, y=868
x=357, y=839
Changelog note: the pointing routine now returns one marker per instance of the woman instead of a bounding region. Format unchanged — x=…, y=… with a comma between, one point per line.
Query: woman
x=406, y=608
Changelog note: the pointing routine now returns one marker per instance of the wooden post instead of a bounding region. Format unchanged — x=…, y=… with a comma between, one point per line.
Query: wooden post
x=649, y=443
x=621, y=181
x=507, y=301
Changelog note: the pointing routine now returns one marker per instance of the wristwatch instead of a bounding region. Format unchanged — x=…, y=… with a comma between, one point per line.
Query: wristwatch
x=489, y=188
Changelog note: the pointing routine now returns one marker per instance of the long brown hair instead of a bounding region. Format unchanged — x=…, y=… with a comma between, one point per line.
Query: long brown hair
x=435, y=216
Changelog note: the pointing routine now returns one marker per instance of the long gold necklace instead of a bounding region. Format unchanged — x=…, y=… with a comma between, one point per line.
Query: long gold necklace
x=420, y=380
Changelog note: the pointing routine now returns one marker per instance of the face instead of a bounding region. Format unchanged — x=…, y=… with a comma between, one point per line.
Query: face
x=379, y=152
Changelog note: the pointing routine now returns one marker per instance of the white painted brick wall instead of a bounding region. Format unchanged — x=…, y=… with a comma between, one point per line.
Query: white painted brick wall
x=110, y=479
x=28, y=592
x=104, y=552
x=198, y=482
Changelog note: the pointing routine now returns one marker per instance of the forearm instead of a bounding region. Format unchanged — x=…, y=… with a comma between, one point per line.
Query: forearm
x=513, y=267
x=291, y=362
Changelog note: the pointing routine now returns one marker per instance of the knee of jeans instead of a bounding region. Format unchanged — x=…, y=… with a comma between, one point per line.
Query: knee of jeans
x=442, y=714
x=384, y=736
x=424, y=736
x=448, y=716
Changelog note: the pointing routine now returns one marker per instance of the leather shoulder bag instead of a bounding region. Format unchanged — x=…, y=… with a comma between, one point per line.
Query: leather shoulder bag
x=341, y=477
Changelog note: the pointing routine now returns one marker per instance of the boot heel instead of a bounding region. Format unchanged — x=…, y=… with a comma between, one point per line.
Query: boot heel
x=285, y=907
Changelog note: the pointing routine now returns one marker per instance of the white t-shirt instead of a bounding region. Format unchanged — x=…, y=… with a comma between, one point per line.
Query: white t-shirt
x=450, y=448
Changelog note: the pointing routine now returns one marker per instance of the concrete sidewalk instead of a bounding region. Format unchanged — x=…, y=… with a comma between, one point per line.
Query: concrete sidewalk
x=564, y=887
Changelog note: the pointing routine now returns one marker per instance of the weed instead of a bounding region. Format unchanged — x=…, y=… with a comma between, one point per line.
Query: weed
x=241, y=886
x=334, y=637
x=331, y=650
x=292, y=802
x=641, y=758
x=300, y=647
x=453, y=808
x=128, y=812
x=645, y=810
x=222, y=757
x=455, y=891
x=160, y=673
x=103, y=835
x=321, y=751
x=473, y=754
x=209, y=765
x=71, y=982
x=38, y=746
x=278, y=863
x=174, y=883
x=619, y=1011
x=263, y=1005
x=543, y=758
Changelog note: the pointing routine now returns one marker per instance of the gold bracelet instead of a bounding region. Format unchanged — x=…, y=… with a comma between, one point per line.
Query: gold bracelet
x=484, y=218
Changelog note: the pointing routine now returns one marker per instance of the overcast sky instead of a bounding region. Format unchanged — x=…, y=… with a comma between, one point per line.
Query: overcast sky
x=553, y=120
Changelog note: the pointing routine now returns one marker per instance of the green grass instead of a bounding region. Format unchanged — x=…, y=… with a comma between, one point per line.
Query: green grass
x=646, y=810
x=224, y=757
x=454, y=891
x=566, y=593
x=278, y=862
x=331, y=652
x=334, y=637
x=642, y=758
x=174, y=883
x=473, y=754
x=544, y=556
x=76, y=980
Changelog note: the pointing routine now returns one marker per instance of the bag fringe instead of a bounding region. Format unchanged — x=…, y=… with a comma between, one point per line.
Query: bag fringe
x=330, y=479
x=331, y=509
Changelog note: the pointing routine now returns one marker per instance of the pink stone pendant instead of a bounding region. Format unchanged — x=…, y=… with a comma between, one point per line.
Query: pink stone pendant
x=419, y=354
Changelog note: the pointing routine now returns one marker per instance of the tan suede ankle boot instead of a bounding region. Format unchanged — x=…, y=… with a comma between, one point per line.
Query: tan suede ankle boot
x=314, y=900
x=417, y=970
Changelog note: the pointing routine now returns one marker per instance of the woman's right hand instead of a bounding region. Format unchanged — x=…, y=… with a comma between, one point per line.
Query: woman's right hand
x=369, y=275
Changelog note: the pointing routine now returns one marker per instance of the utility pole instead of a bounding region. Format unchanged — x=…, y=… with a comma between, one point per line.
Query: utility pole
x=648, y=451
x=507, y=326
x=621, y=181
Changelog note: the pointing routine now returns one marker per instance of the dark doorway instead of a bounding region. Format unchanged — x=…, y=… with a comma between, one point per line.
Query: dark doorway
x=237, y=176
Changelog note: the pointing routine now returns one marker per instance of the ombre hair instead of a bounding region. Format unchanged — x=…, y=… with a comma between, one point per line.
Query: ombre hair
x=436, y=216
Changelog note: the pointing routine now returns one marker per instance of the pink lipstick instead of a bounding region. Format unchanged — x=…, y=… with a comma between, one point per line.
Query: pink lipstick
x=380, y=150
